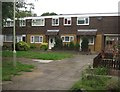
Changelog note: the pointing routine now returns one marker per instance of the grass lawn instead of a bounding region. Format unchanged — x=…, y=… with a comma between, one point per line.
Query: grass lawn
x=8, y=70
x=38, y=55
x=96, y=81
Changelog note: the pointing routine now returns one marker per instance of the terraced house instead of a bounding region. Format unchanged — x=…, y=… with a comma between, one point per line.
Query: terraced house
x=101, y=29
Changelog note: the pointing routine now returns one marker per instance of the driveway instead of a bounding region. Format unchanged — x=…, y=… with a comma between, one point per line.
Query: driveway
x=55, y=75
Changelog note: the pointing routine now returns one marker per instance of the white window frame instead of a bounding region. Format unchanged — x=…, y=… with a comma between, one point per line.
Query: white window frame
x=32, y=39
x=68, y=19
x=63, y=38
x=22, y=23
x=11, y=24
x=5, y=38
x=93, y=38
x=55, y=24
x=42, y=20
x=83, y=18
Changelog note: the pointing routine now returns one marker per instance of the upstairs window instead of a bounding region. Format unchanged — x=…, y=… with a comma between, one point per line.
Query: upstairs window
x=67, y=21
x=82, y=21
x=38, y=22
x=55, y=21
x=22, y=23
x=8, y=24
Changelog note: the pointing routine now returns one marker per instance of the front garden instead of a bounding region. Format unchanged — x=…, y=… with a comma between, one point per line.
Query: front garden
x=96, y=80
x=38, y=55
x=9, y=70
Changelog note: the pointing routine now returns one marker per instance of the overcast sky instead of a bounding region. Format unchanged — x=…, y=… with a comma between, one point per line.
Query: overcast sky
x=75, y=6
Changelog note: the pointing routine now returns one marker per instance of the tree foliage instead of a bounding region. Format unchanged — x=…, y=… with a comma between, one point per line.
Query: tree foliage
x=7, y=10
x=23, y=9
x=48, y=14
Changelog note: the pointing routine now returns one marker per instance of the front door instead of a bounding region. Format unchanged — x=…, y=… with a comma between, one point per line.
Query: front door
x=51, y=42
x=80, y=43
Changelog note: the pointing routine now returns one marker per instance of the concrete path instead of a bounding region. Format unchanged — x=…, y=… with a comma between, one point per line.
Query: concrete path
x=56, y=75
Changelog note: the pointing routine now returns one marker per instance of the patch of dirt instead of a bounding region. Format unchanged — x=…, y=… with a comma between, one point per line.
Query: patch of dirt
x=29, y=75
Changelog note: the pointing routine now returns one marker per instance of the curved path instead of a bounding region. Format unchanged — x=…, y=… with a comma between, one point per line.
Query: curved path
x=56, y=75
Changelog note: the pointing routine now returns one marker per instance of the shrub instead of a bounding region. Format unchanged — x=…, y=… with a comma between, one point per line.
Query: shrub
x=58, y=43
x=5, y=47
x=22, y=46
x=101, y=71
x=44, y=46
x=71, y=45
x=84, y=44
x=66, y=46
x=32, y=46
x=77, y=46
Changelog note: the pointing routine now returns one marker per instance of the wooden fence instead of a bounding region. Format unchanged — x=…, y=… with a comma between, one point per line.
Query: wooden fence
x=109, y=63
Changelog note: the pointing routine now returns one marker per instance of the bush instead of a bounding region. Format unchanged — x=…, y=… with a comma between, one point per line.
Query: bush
x=71, y=45
x=32, y=46
x=22, y=46
x=101, y=71
x=44, y=46
x=66, y=46
x=77, y=46
x=5, y=47
x=58, y=43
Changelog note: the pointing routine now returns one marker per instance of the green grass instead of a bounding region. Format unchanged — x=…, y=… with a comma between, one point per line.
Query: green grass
x=95, y=80
x=38, y=55
x=91, y=83
x=8, y=70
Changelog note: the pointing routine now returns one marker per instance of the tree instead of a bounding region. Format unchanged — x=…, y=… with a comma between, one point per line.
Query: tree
x=84, y=44
x=7, y=10
x=48, y=14
x=23, y=9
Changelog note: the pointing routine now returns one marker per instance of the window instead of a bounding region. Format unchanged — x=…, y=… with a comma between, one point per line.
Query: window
x=38, y=22
x=22, y=23
x=19, y=38
x=67, y=38
x=82, y=21
x=36, y=39
x=91, y=40
x=67, y=21
x=8, y=24
x=8, y=38
x=55, y=22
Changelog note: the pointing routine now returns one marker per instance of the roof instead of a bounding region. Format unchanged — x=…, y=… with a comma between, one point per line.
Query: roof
x=75, y=15
x=72, y=15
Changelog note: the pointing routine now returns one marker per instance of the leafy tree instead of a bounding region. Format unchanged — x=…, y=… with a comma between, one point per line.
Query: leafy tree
x=84, y=44
x=48, y=14
x=7, y=9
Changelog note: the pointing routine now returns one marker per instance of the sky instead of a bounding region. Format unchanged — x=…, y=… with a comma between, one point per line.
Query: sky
x=74, y=6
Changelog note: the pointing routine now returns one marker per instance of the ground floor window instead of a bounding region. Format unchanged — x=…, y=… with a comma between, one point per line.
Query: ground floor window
x=67, y=38
x=8, y=38
x=36, y=39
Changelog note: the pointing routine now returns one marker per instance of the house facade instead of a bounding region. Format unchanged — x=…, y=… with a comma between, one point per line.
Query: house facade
x=102, y=30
